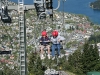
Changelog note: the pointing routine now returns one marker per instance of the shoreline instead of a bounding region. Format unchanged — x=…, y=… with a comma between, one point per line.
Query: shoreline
x=14, y=3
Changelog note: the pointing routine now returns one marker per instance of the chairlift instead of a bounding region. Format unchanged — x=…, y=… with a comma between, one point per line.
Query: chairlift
x=56, y=50
x=5, y=52
x=38, y=1
x=4, y=15
x=40, y=8
x=5, y=18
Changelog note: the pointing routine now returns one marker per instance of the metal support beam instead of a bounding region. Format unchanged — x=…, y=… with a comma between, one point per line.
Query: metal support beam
x=22, y=27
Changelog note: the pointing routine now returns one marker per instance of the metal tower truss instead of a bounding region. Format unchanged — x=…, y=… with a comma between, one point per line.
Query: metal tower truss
x=23, y=70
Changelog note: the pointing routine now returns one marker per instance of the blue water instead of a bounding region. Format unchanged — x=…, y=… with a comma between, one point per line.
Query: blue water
x=75, y=6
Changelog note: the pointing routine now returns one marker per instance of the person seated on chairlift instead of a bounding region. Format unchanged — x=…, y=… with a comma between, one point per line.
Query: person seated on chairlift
x=45, y=42
x=4, y=15
x=55, y=39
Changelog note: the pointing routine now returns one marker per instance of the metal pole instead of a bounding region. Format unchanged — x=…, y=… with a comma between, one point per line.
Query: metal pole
x=62, y=27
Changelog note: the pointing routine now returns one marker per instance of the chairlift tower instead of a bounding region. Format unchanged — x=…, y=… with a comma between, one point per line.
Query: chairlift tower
x=22, y=38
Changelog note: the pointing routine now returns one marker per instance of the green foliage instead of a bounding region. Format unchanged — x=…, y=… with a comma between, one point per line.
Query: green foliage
x=35, y=65
x=8, y=71
x=95, y=4
x=96, y=27
x=29, y=49
x=81, y=15
x=5, y=37
x=83, y=61
x=94, y=38
x=69, y=21
x=1, y=72
x=90, y=58
x=73, y=43
x=62, y=51
x=75, y=62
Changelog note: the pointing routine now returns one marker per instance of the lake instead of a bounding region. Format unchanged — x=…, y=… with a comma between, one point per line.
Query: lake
x=76, y=7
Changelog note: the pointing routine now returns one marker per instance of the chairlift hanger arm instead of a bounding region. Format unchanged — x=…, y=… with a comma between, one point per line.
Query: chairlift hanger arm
x=57, y=6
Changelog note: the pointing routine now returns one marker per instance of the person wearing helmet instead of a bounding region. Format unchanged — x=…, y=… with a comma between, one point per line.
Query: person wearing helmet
x=55, y=39
x=45, y=42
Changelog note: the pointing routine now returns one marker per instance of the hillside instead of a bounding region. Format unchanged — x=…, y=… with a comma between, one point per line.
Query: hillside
x=95, y=4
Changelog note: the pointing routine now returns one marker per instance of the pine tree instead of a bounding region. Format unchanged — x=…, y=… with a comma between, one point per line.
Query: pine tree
x=35, y=65
x=85, y=60
x=75, y=61
x=90, y=58
x=71, y=60
x=95, y=59
x=85, y=57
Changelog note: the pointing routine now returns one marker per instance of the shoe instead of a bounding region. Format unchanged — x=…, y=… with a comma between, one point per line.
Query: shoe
x=42, y=56
x=48, y=56
x=53, y=58
x=59, y=56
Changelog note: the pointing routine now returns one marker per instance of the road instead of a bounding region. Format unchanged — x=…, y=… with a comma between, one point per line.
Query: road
x=25, y=6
